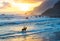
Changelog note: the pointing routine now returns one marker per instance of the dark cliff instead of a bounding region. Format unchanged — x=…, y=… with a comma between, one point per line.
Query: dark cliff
x=53, y=12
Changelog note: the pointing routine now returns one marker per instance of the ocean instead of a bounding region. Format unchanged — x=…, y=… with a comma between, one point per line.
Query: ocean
x=38, y=29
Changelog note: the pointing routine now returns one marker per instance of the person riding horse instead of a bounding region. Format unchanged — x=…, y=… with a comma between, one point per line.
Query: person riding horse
x=24, y=29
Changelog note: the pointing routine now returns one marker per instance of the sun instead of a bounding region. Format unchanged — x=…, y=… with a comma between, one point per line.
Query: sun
x=24, y=7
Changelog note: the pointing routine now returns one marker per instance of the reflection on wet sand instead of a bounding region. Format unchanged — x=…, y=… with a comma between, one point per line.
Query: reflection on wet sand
x=34, y=37
x=46, y=36
x=24, y=38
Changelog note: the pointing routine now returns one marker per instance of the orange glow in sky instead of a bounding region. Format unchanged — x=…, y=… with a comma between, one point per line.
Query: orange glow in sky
x=26, y=6
x=18, y=6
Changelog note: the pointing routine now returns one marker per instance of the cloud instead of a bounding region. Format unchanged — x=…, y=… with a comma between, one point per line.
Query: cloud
x=7, y=6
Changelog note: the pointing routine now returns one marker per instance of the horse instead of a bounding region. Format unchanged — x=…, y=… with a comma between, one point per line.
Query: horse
x=24, y=29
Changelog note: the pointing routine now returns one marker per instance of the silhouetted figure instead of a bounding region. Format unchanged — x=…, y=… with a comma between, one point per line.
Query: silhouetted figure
x=26, y=17
x=39, y=15
x=24, y=29
x=36, y=16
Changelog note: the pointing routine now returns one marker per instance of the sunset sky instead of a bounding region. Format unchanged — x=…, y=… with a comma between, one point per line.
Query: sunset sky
x=18, y=6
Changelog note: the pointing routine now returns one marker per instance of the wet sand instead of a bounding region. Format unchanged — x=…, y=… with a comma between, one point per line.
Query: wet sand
x=46, y=36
